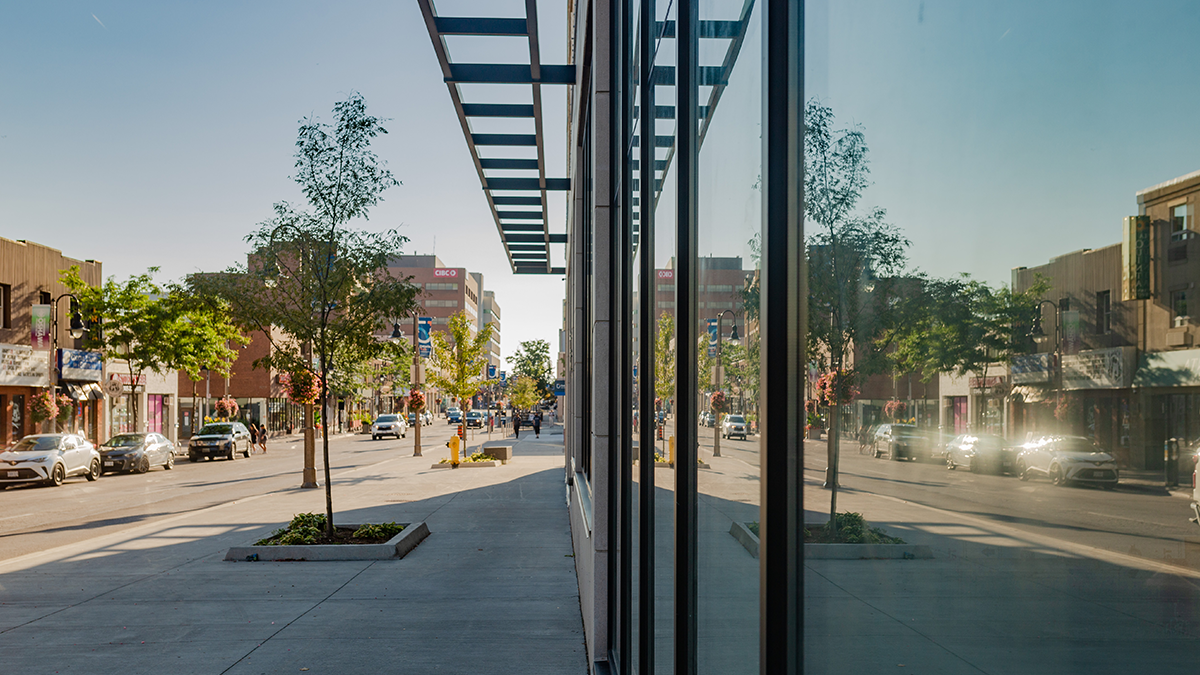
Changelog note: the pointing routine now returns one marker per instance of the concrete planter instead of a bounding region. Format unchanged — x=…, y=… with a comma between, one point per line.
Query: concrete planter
x=465, y=465
x=396, y=547
x=750, y=542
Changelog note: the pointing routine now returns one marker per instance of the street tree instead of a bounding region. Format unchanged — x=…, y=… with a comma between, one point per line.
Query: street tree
x=664, y=358
x=854, y=258
x=460, y=360
x=318, y=290
x=523, y=392
x=533, y=360
x=153, y=328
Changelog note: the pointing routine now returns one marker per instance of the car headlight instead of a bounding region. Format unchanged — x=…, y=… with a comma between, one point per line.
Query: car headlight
x=37, y=460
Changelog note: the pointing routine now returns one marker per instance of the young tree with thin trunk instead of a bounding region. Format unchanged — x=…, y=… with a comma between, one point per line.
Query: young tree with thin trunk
x=460, y=361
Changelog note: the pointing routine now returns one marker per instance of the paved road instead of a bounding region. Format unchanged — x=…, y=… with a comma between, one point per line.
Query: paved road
x=34, y=518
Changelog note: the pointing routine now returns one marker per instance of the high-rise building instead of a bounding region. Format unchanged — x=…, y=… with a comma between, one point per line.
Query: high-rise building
x=444, y=291
x=490, y=312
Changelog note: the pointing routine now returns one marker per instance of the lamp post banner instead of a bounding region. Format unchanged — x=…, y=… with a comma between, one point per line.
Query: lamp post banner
x=39, y=334
x=712, y=338
x=424, y=342
x=22, y=366
x=1072, y=338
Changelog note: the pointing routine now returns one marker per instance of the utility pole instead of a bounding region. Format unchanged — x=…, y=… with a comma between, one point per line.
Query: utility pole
x=416, y=383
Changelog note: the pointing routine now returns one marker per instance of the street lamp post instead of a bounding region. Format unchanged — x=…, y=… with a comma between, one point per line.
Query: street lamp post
x=76, y=331
x=719, y=376
x=1040, y=336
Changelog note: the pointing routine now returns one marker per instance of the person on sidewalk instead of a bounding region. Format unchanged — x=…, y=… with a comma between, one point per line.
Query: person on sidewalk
x=537, y=425
x=262, y=437
x=516, y=426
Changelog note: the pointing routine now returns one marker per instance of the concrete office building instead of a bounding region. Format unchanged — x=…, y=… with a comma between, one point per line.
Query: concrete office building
x=663, y=584
x=490, y=313
x=444, y=291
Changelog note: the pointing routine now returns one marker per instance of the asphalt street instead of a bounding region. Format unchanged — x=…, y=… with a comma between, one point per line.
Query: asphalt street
x=35, y=518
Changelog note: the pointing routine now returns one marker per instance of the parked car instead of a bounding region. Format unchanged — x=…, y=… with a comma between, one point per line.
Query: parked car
x=453, y=416
x=389, y=425
x=49, y=459
x=1065, y=459
x=136, y=452
x=734, y=425
x=474, y=418
x=901, y=441
x=707, y=418
x=220, y=439
x=981, y=453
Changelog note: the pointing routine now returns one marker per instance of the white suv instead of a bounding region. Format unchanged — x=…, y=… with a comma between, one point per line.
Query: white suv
x=389, y=425
x=1065, y=459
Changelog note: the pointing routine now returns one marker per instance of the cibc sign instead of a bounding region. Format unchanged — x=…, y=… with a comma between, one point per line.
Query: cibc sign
x=445, y=273
x=666, y=274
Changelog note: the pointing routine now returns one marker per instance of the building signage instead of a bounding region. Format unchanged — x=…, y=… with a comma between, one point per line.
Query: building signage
x=1110, y=368
x=1072, y=337
x=21, y=366
x=424, y=341
x=76, y=364
x=443, y=272
x=666, y=274
x=39, y=333
x=986, y=382
x=1135, y=259
x=712, y=338
x=560, y=387
x=1031, y=369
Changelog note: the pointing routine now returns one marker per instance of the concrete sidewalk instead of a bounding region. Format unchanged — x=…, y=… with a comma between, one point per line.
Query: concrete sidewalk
x=492, y=589
x=995, y=599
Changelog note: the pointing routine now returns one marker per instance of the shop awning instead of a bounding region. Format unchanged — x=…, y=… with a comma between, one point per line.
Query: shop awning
x=1169, y=369
x=1029, y=394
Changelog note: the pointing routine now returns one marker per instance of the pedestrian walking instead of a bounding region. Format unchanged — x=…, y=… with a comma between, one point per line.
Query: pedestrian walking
x=537, y=425
x=517, y=426
x=262, y=437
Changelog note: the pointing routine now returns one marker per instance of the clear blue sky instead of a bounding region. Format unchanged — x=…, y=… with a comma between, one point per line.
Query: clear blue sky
x=1007, y=132
x=1002, y=132
x=160, y=133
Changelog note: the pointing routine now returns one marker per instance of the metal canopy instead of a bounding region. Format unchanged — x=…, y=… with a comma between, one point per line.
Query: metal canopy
x=524, y=233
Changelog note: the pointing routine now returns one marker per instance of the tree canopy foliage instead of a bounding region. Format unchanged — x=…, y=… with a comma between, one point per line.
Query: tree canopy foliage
x=533, y=361
x=460, y=361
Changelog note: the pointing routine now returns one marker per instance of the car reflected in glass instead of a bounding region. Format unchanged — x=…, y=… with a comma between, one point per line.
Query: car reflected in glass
x=981, y=453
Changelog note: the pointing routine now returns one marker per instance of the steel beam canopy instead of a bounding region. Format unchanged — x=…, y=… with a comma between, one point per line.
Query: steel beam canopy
x=527, y=243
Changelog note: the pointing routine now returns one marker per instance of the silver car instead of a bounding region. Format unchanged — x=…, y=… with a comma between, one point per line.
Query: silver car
x=49, y=459
x=1065, y=459
x=733, y=425
x=389, y=425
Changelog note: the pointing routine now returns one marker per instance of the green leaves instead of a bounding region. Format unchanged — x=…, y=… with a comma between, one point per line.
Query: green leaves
x=460, y=361
x=533, y=361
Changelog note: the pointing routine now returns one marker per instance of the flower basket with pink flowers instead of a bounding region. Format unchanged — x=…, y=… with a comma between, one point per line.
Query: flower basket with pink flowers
x=42, y=407
x=226, y=408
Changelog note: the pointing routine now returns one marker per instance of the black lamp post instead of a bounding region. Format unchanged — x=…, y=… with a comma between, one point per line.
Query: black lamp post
x=719, y=376
x=1039, y=335
x=76, y=331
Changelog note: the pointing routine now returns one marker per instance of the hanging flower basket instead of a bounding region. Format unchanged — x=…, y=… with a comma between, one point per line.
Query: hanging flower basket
x=416, y=401
x=42, y=407
x=895, y=409
x=302, y=387
x=836, y=388
x=717, y=401
x=66, y=406
x=226, y=408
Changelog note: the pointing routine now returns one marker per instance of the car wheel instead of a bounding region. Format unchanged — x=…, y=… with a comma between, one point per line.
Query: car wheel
x=374, y=437
x=1056, y=475
x=875, y=452
x=170, y=463
x=93, y=470
x=1022, y=470
x=57, y=475
x=143, y=465
x=232, y=454
x=950, y=463
x=246, y=452
x=975, y=467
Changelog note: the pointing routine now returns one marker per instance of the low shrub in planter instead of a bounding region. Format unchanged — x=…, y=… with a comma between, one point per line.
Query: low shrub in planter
x=851, y=529
x=477, y=457
x=309, y=528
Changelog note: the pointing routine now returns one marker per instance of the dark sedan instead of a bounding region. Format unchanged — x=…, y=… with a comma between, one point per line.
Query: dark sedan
x=902, y=441
x=981, y=453
x=136, y=453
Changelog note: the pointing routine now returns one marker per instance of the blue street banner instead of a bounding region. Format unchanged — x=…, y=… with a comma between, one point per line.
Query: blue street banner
x=560, y=387
x=424, y=342
x=503, y=377
x=491, y=372
x=712, y=338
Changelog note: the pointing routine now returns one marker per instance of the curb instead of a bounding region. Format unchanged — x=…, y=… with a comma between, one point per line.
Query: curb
x=396, y=547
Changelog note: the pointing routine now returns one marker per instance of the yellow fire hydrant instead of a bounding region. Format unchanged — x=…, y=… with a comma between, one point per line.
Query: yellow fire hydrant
x=453, y=444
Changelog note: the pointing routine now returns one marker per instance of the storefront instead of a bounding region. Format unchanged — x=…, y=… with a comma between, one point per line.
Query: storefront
x=23, y=373
x=144, y=403
x=79, y=375
x=1168, y=385
x=1096, y=400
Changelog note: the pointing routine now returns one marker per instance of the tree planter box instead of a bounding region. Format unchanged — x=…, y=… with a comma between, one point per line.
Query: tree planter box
x=464, y=465
x=750, y=542
x=500, y=452
x=396, y=547
x=814, y=434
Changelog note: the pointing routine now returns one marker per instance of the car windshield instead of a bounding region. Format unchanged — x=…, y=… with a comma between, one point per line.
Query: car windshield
x=386, y=418
x=1076, y=445
x=735, y=419
x=908, y=432
x=216, y=429
x=125, y=441
x=35, y=444
x=474, y=413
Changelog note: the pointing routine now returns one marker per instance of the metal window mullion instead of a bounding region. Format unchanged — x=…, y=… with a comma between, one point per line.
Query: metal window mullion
x=781, y=331
x=686, y=256
x=646, y=326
